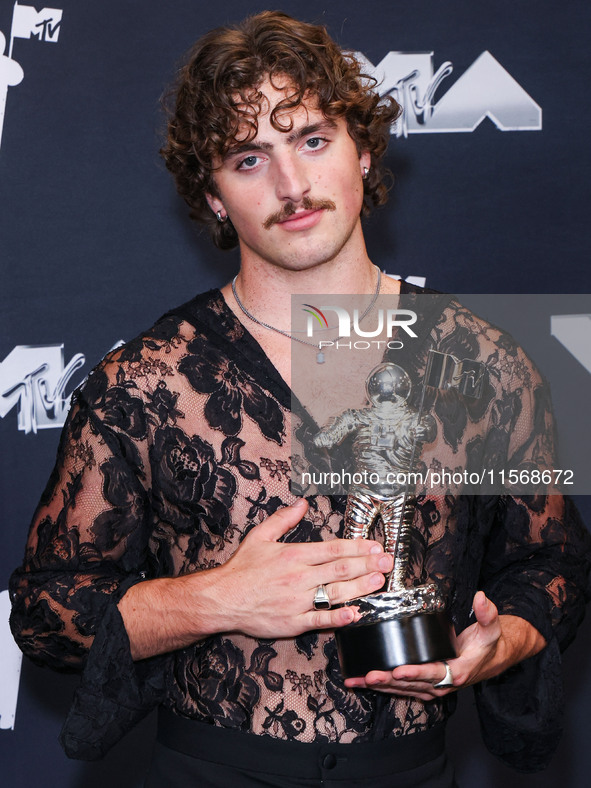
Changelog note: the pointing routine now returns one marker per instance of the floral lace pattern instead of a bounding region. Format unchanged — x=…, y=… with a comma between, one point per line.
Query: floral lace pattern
x=176, y=447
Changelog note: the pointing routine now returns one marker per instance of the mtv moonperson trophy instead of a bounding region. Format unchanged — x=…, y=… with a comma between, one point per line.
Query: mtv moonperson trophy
x=401, y=625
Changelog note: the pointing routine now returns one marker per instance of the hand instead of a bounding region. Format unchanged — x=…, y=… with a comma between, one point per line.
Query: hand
x=484, y=650
x=267, y=587
x=265, y=590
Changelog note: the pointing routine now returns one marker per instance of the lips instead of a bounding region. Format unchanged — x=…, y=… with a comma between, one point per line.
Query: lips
x=302, y=220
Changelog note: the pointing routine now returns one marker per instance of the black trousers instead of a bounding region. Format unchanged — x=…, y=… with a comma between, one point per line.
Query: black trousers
x=189, y=753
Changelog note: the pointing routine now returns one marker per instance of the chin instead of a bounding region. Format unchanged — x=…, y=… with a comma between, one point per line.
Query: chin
x=308, y=259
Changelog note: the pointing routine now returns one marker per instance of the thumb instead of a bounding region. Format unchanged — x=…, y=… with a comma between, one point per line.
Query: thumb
x=485, y=611
x=278, y=524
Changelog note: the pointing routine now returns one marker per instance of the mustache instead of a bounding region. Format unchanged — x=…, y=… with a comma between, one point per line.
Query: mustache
x=287, y=210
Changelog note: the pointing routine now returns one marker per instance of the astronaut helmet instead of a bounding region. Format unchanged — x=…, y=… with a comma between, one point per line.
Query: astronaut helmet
x=387, y=383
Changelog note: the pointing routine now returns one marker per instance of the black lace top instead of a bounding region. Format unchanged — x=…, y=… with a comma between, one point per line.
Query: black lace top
x=176, y=446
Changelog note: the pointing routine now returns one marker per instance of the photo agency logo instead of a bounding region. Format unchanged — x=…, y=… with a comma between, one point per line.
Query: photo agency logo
x=27, y=22
x=349, y=324
x=484, y=90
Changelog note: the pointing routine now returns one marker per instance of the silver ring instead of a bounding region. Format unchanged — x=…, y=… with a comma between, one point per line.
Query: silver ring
x=321, y=599
x=447, y=681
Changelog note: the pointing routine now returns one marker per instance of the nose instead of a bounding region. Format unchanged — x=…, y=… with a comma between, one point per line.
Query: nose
x=291, y=178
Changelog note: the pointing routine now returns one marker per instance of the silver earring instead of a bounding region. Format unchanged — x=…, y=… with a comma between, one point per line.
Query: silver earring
x=365, y=173
x=221, y=219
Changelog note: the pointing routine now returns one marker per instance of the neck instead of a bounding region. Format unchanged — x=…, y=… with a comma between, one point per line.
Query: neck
x=267, y=293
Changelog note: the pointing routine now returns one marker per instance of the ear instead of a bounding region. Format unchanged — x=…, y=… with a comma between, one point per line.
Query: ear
x=216, y=205
x=365, y=163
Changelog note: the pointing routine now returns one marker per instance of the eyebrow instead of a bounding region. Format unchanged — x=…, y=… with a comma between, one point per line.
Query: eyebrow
x=293, y=136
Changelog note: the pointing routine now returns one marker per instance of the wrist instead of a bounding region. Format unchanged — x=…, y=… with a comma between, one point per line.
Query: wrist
x=519, y=640
x=169, y=613
x=206, y=603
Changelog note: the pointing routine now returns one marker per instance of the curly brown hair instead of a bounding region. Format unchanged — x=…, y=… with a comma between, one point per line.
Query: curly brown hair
x=217, y=97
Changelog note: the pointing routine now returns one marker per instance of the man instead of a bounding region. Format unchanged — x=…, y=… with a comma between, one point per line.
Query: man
x=169, y=557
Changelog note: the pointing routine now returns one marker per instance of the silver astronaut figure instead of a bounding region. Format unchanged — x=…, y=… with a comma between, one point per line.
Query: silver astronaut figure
x=401, y=624
x=389, y=436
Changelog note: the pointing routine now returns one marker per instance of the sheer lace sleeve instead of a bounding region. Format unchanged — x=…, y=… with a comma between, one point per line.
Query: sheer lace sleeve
x=536, y=566
x=525, y=547
x=537, y=569
x=87, y=545
x=537, y=558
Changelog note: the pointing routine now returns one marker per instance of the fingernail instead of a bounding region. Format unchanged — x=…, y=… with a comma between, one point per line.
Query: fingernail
x=299, y=503
x=385, y=562
x=376, y=549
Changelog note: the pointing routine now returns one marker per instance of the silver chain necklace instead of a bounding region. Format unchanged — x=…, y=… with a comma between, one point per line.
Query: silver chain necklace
x=319, y=354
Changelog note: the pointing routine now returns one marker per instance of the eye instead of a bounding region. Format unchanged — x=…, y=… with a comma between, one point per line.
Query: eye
x=315, y=143
x=248, y=163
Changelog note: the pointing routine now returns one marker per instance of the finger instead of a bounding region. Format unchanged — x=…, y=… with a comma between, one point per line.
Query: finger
x=409, y=692
x=364, y=575
x=356, y=683
x=327, y=619
x=420, y=687
x=402, y=693
x=378, y=677
x=383, y=682
x=339, y=593
x=333, y=549
x=282, y=521
x=428, y=672
x=351, y=567
x=413, y=678
x=485, y=611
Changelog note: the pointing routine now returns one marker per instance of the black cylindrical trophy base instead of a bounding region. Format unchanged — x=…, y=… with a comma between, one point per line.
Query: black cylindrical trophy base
x=384, y=645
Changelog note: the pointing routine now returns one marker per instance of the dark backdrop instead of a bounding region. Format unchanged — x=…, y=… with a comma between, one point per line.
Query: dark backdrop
x=95, y=244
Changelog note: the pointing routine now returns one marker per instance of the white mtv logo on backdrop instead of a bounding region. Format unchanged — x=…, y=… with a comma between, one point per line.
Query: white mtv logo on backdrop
x=33, y=379
x=27, y=22
x=484, y=90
